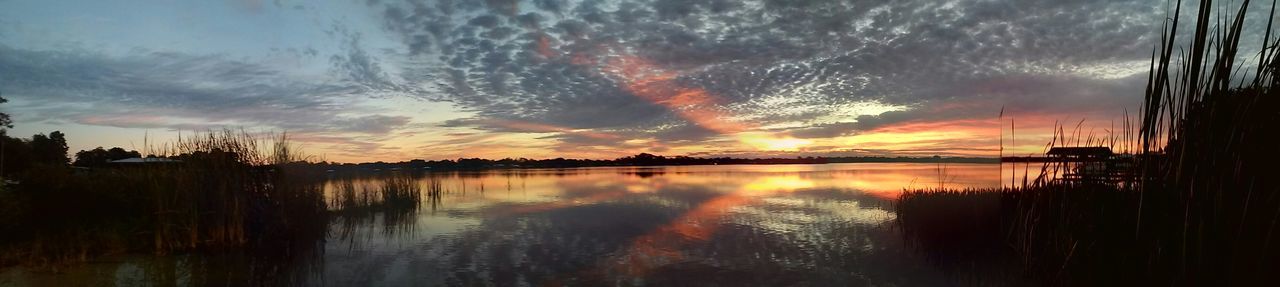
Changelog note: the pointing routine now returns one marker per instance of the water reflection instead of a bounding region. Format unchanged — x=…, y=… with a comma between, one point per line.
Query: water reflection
x=737, y=225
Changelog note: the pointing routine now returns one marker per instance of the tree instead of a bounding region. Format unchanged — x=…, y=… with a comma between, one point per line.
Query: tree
x=51, y=149
x=5, y=121
x=5, y=124
x=99, y=157
x=15, y=157
x=117, y=153
x=91, y=158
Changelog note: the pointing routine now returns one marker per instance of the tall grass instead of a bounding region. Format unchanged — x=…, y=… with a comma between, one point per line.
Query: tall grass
x=227, y=192
x=390, y=192
x=1209, y=199
x=1201, y=208
x=394, y=198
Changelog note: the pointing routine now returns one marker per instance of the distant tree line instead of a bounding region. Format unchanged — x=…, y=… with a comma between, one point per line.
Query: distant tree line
x=100, y=157
x=17, y=155
x=20, y=155
x=643, y=159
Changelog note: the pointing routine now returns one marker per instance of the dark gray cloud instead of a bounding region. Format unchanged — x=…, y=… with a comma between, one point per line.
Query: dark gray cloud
x=180, y=91
x=778, y=62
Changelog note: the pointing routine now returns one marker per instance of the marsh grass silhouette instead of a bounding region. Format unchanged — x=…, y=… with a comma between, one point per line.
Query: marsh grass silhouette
x=230, y=190
x=394, y=198
x=227, y=192
x=1202, y=210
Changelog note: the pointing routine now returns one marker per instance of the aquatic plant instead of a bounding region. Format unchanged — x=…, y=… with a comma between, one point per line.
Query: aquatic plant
x=1199, y=210
x=212, y=191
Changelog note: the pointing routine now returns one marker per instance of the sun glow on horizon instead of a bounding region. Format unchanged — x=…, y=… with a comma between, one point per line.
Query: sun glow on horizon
x=765, y=142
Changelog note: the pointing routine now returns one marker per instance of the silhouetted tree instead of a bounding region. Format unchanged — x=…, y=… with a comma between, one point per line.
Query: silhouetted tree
x=5, y=121
x=644, y=159
x=117, y=153
x=15, y=157
x=51, y=149
x=90, y=158
x=99, y=157
x=9, y=145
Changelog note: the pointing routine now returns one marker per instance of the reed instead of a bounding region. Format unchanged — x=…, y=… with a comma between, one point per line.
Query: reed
x=391, y=192
x=1200, y=208
x=224, y=192
x=394, y=198
x=401, y=192
x=1208, y=196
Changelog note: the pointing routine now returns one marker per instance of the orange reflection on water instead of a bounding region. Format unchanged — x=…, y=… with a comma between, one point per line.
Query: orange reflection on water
x=549, y=206
x=608, y=192
x=774, y=184
x=890, y=180
x=735, y=191
x=662, y=246
x=698, y=225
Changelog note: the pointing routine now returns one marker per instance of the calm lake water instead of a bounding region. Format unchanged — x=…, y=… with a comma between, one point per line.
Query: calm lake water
x=733, y=225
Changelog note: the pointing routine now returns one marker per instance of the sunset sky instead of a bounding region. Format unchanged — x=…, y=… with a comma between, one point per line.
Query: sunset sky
x=394, y=80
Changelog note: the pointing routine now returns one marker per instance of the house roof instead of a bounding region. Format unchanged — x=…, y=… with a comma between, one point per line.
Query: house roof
x=146, y=160
x=1092, y=150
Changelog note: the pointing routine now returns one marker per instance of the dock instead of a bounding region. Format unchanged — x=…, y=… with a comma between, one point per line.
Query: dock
x=1084, y=164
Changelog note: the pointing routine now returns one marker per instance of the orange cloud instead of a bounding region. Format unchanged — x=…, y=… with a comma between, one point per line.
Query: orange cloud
x=544, y=46
x=650, y=82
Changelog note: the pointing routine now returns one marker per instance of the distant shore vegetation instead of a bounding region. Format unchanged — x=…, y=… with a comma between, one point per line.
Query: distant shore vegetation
x=643, y=159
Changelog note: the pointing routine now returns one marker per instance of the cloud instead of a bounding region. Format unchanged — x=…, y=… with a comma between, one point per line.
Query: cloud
x=627, y=74
x=771, y=64
x=182, y=92
x=371, y=124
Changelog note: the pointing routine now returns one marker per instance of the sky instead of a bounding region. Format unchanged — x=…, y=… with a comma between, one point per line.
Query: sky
x=392, y=80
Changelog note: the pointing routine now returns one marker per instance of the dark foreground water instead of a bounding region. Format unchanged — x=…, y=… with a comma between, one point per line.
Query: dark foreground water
x=825, y=225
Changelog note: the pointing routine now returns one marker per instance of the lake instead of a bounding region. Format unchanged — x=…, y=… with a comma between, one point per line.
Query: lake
x=733, y=225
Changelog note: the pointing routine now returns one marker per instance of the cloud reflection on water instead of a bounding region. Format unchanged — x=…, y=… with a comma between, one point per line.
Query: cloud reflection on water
x=736, y=225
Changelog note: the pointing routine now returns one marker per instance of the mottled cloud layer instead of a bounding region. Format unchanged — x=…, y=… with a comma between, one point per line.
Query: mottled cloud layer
x=605, y=77
x=804, y=68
